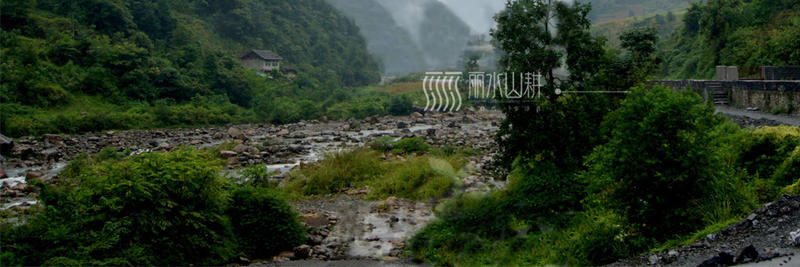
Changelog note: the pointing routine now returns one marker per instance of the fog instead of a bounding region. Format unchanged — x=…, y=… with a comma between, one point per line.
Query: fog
x=478, y=14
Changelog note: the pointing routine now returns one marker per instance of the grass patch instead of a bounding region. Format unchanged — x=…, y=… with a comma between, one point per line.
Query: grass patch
x=416, y=176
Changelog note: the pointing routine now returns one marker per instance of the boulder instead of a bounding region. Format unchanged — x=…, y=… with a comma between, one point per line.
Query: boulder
x=6, y=144
x=49, y=154
x=241, y=148
x=235, y=133
x=402, y=125
x=314, y=220
x=33, y=174
x=302, y=251
x=795, y=237
x=227, y=154
x=747, y=254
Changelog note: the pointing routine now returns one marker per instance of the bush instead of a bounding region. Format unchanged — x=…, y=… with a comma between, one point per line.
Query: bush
x=263, y=222
x=767, y=148
x=337, y=172
x=411, y=145
x=382, y=144
x=658, y=162
x=789, y=171
x=149, y=209
x=418, y=178
x=541, y=189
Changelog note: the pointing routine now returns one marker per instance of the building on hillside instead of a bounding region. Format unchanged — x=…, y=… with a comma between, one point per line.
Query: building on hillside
x=261, y=60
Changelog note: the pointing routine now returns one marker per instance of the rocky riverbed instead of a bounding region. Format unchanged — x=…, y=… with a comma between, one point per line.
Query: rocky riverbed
x=770, y=236
x=344, y=227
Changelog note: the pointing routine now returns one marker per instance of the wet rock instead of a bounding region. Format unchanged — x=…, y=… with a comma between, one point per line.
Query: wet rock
x=21, y=151
x=217, y=136
x=236, y=133
x=431, y=132
x=33, y=174
x=285, y=256
x=227, y=154
x=654, y=259
x=416, y=115
x=243, y=148
x=391, y=201
x=402, y=125
x=49, y=154
x=3, y=174
x=795, y=238
x=314, y=220
x=747, y=254
x=302, y=251
x=722, y=259
x=243, y=260
x=6, y=144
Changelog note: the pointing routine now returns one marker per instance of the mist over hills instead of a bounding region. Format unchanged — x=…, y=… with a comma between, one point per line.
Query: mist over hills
x=409, y=36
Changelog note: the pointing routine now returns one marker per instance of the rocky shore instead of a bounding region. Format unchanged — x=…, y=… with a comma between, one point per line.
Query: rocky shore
x=344, y=227
x=771, y=235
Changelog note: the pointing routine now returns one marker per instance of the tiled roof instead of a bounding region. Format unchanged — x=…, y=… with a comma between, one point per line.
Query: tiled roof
x=265, y=54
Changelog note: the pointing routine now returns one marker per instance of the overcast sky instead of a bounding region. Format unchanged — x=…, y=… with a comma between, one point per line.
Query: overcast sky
x=476, y=13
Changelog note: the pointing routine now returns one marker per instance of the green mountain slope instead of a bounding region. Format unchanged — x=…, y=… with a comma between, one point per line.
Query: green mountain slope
x=733, y=32
x=607, y=10
x=664, y=24
x=151, y=49
x=90, y=65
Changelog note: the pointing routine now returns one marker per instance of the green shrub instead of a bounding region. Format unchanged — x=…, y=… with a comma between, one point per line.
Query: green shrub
x=337, y=172
x=382, y=144
x=149, y=209
x=400, y=105
x=541, y=189
x=411, y=145
x=767, y=148
x=263, y=222
x=658, y=161
x=789, y=171
x=417, y=178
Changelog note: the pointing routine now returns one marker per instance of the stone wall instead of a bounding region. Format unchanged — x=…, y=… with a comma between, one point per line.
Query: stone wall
x=765, y=95
x=780, y=73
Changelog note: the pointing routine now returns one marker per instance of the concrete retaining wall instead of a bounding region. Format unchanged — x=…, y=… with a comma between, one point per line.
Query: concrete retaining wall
x=766, y=95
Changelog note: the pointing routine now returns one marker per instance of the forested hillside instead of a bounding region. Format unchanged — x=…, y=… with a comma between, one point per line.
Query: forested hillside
x=606, y=10
x=664, y=24
x=733, y=32
x=111, y=64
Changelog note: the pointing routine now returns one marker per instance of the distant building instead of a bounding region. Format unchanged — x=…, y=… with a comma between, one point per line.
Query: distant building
x=261, y=60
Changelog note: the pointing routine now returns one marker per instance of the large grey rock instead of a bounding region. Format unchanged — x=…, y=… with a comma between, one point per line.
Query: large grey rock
x=235, y=133
x=6, y=144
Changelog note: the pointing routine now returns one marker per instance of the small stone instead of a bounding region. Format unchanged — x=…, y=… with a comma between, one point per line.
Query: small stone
x=33, y=174
x=653, y=259
x=795, y=237
x=227, y=154
x=752, y=216
x=747, y=254
x=302, y=251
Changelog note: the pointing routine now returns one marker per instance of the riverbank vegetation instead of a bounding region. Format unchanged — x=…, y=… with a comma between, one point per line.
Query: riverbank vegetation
x=150, y=209
x=596, y=178
x=407, y=168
